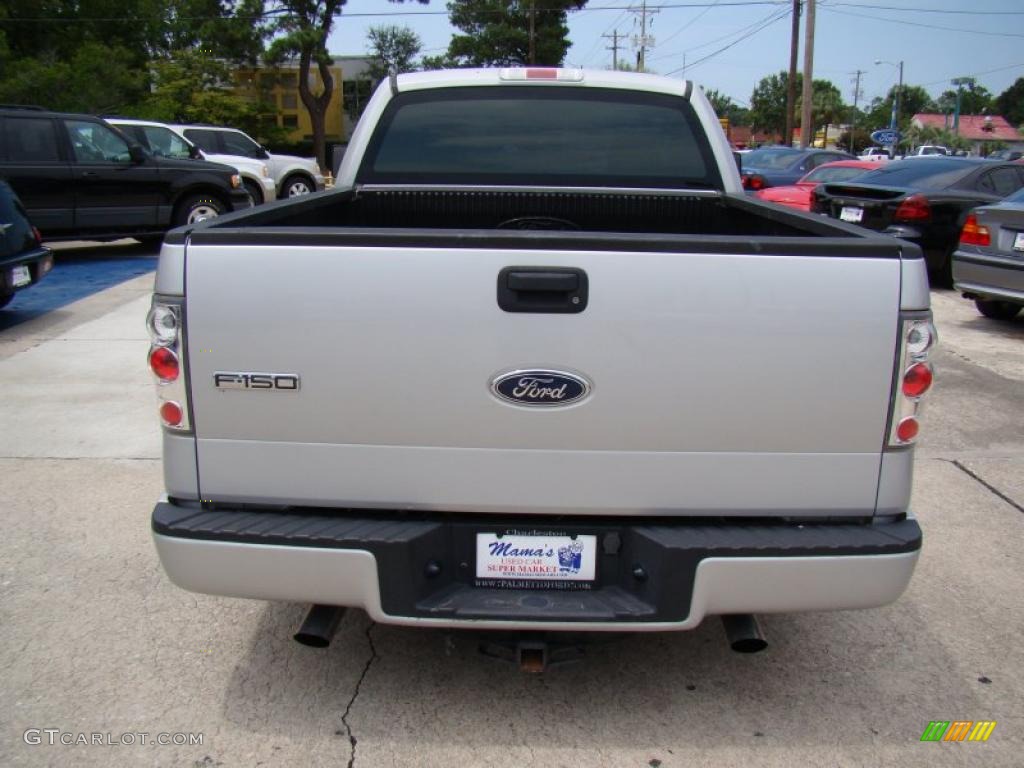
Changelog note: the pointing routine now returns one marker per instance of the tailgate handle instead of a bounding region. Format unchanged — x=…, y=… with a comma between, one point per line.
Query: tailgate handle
x=554, y=290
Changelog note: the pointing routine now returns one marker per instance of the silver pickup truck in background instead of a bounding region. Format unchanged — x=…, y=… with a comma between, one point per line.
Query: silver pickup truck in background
x=537, y=363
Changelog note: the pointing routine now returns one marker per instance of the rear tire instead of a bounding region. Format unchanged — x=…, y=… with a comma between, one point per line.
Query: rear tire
x=297, y=185
x=997, y=310
x=254, y=191
x=196, y=208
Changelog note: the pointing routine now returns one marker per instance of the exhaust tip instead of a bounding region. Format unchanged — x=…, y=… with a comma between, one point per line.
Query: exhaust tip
x=749, y=645
x=744, y=633
x=319, y=626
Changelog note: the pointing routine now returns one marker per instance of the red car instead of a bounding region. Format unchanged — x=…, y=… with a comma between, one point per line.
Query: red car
x=799, y=195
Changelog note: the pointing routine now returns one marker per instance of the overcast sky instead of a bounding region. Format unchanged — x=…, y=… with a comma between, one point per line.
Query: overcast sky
x=936, y=39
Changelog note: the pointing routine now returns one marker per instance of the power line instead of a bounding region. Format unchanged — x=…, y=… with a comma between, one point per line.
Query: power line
x=715, y=40
x=277, y=15
x=688, y=24
x=924, y=10
x=777, y=17
x=977, y=74
x=920, y=24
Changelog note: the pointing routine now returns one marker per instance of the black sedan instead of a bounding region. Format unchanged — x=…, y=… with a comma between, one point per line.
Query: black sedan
x=23, y=261
x=782, y=166
x=924, y=200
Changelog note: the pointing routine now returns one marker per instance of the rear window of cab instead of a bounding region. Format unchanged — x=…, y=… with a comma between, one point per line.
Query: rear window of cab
x=537, y=135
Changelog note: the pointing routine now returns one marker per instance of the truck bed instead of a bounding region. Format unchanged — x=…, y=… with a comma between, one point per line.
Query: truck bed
x=737, y=353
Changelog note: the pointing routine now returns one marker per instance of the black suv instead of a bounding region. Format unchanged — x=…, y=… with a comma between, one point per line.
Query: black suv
x=81, y=178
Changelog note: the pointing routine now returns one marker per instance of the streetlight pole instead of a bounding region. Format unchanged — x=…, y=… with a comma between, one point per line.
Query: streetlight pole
x=895, y=120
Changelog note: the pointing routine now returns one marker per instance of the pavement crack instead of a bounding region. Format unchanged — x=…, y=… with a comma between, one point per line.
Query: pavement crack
x=970, y=473
x=355, y=694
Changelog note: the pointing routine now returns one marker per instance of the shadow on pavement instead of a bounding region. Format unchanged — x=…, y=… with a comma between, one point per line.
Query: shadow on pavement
x=79, y=271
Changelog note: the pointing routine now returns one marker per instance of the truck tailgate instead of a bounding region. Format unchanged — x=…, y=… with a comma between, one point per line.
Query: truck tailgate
x=718, y=381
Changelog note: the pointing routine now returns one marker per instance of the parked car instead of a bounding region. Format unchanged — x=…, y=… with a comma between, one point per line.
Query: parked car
x=989, y=264
x=80, y=178
x=925, y=201
x=928, y=150
x=1005, y=155
x=799, y=195
x=294, y=176
x=875, y=154
x=23, y=259
x=163, y=141
x=778, y=166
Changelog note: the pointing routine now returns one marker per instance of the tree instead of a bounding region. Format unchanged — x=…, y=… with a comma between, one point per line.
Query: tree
x=827, y=106
x=1010, y=103
x=974, y=100
x=96, y=78
x=497, y=32
x=768, y=104
x=303, y=28
x=724, y=106
x=392, y=46
x=914, y=99
x=191, y=88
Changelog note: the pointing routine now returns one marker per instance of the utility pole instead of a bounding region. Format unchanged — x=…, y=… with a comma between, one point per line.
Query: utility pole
x=614, y=48
x=856, y=99
x=856, y=86
x=643, y=42
x=806, y=127
x=794, y=46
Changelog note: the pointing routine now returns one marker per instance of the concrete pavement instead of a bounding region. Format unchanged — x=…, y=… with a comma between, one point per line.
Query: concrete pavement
x=94, y=639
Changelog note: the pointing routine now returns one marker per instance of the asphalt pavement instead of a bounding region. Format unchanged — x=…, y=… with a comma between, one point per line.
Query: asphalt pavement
x=95, y=640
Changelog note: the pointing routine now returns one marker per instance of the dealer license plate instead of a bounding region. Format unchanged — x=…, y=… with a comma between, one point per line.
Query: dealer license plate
x=509, y=558
x=20, y=276
x=1018, y=242
x=852, y=214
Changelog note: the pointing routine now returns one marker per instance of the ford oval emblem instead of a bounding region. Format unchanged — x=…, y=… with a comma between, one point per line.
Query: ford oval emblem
x=540, y=388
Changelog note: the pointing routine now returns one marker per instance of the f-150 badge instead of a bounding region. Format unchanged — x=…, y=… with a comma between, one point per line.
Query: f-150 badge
x=540, y=388
x=268, y=382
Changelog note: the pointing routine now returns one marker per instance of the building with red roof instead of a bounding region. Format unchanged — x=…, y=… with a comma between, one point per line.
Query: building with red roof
x=977, y=129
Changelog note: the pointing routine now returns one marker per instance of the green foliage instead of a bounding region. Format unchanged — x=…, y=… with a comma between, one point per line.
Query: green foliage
x=1010, y=103
x=97, y=79
x=855, y=141
x=189, y=87
x=497, y=32
x=302, y=30
x=768, y=103
x=724, y=106
x=392, y=46
x=974, y=100
x=914, y=99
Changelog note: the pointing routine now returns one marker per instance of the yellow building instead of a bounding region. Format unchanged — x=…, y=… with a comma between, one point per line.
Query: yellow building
x=278, y=87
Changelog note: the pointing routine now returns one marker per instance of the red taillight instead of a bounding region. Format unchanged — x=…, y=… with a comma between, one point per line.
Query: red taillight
x=753, y=182
x=171, y=413
x=974, y=233
x=164, y=363
x=914, y=208
x=918, y=338
x=907, y=429
x=38, y=234
x=541, y=73
x=917, y=380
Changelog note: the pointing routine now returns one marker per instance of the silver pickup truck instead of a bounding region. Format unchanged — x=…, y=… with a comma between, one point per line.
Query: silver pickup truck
x=538, y=364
